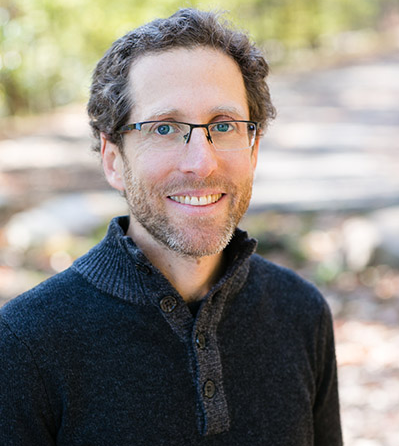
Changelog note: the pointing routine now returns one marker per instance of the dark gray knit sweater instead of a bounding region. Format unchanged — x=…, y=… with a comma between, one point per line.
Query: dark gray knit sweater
x=108, y=354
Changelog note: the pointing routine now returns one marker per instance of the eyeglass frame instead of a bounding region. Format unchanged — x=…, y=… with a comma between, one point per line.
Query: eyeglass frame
x=137, y=126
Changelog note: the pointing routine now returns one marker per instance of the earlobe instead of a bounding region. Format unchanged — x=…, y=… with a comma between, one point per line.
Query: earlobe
x=112, y=163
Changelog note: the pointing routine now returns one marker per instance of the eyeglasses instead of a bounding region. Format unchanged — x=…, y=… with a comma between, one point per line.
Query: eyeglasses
x=167, y=135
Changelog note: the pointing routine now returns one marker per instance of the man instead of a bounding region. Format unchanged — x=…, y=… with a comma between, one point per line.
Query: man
x=171, y=331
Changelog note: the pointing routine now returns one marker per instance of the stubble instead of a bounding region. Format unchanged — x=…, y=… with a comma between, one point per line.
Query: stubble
x=188, y=236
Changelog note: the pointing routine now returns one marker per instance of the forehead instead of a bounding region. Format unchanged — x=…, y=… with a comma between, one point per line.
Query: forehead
x=188, y=83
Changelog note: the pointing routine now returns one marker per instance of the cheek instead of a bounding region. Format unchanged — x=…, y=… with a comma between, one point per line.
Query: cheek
x=239, y=166
x=151, y=168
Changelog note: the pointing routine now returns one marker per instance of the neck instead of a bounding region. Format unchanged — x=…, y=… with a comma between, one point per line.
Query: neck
x=191, y=277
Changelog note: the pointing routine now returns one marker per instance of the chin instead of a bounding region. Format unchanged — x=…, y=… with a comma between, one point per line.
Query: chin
x=194, y=246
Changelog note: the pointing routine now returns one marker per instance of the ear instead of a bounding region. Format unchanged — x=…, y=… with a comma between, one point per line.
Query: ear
x=112, y=163
x=254, y=153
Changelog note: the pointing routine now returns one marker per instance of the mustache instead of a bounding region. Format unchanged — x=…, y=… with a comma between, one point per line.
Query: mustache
x=177, y=185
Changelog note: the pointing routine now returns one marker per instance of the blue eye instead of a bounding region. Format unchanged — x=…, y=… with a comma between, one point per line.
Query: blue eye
x=222, y=127
x=164, y=129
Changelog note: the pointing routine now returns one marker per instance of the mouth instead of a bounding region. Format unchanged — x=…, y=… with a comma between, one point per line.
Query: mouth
x=203, y=200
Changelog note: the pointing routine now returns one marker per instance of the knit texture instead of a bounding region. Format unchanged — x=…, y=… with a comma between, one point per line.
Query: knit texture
x=97, y=356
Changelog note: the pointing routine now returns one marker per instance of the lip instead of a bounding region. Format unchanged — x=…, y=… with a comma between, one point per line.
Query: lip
x=192, y=209
x=197, y=192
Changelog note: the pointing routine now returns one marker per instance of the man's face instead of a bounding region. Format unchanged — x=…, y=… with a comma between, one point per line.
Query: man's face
x=189, y=199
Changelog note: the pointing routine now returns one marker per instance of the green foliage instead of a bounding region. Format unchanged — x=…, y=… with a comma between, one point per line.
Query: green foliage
x=49, y=47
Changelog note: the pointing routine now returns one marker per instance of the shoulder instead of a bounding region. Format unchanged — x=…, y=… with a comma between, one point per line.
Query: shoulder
x=287, y=292
x=276, y=277
x=37, y=311
x=58, y=286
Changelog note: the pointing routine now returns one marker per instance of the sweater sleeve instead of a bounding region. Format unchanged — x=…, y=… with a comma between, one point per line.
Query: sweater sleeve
x=25, y=417
x=327, y=425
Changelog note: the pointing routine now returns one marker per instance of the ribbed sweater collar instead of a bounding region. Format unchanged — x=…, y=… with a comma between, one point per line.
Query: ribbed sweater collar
x=118, y=267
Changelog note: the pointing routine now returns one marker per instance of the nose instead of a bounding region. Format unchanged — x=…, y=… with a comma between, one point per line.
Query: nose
x=199, y=156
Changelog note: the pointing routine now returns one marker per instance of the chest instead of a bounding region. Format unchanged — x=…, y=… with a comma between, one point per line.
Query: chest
x=150, y=386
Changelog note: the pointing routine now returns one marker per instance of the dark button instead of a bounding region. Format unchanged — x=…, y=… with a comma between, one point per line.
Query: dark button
x=200, y=340
x=168, y=304
x=209, y=389
x=143, y=268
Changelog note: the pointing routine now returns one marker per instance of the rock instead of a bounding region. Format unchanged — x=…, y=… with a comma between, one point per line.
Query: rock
x=76, y=214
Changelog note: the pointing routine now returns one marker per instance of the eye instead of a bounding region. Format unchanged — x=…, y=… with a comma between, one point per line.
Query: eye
x=164, y=129
x=222, y=127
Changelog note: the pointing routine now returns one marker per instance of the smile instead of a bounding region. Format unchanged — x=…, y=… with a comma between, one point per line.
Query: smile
x=196, y=201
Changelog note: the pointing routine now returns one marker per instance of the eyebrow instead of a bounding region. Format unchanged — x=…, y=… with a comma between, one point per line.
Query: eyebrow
x=161, y=113
x=224, y=109
x=227, y=109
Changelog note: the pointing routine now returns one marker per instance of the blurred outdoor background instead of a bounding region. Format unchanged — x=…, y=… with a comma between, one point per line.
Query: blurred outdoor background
x=326, y=197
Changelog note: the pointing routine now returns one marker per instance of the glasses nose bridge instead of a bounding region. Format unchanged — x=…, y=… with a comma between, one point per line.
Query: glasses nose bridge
x=199, y=126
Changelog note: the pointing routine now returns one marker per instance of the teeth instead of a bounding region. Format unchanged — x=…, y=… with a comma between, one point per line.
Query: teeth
x=196, y=201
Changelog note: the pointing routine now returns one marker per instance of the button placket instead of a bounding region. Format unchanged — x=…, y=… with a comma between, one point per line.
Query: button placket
x=209, y=368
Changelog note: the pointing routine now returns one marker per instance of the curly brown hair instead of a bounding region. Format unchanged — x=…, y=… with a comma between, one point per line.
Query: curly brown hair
x=111, y=101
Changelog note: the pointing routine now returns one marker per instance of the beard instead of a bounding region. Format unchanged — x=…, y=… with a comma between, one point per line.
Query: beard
x=192, y=236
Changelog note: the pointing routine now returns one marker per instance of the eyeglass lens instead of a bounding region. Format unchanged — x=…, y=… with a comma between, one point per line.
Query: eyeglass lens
x=225, y=135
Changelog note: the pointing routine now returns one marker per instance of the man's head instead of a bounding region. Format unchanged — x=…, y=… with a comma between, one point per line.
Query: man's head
x=111, y=100
x=186, y=95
